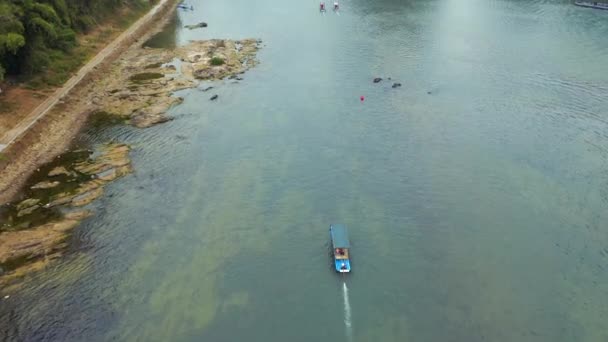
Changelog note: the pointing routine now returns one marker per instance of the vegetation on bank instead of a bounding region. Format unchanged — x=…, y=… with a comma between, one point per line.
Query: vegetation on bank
x=215, y=61
x=39, y=38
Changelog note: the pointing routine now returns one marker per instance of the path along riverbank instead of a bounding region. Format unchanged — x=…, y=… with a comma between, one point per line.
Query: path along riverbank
x=49, y=129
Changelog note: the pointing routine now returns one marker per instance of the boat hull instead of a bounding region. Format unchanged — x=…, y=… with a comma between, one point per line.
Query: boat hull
x=338, y=264
x=340, y=248
x=598, y=5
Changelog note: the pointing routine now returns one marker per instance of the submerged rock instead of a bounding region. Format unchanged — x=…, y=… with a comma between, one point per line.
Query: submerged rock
x=396, y=85
x=77, y=215
x=377, y=80
x=214, y=97
x=87, y=197
x=45, y=185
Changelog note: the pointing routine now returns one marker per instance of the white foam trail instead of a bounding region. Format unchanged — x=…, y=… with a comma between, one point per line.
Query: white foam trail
x=347, y=315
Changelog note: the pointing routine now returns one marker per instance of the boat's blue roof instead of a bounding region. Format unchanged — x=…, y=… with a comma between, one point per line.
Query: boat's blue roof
x=339, y=236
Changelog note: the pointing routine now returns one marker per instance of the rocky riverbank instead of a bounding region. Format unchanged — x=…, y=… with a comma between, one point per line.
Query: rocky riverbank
x=141, y=85
x=34, y=230
x=138, y=90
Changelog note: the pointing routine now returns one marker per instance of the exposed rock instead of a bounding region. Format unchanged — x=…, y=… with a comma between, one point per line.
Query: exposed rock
x=113, y=162
x=214, y=97
x=112, y=155
x=19, y=247
x=45, y=185
x=396, y=85
x=144, y=119
x=30, y=202
x=60, y=199
x=377, y=80
x=59, y=170
x=199, y=25
x=145, y=104
x=87, y=197
x=27, y=211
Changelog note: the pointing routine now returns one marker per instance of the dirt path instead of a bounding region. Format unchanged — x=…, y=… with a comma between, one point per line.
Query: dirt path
x=39, y=112
x=50, y=129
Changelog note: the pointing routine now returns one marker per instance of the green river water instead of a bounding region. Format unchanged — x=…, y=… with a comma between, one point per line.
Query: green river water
x=476, y=194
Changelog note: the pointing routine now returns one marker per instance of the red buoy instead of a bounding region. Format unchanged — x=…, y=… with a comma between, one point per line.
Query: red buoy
x=362, y=98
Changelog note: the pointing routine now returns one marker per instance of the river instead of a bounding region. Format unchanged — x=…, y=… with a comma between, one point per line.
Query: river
x=476, y=194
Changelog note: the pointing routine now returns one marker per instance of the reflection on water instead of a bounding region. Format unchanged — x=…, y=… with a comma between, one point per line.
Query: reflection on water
x=167, y=38
x=475, y=194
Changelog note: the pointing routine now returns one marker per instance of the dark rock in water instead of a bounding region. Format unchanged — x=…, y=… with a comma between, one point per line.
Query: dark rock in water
x=199, y=25
x=206, y=89
x=214, y=97
x=429, y=92
x=239, y=78
x=377, y=79
x=389, y=78
x=396, y=85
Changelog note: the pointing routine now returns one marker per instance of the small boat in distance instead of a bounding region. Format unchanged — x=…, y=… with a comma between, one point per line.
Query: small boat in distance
x=340, y=247
x=598, y=5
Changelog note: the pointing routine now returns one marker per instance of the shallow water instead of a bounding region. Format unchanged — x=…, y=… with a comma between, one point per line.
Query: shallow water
x=475, y=194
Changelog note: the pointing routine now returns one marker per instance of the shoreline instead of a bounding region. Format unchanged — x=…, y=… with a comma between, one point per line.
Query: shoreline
x=27, y=150
x=53, y=183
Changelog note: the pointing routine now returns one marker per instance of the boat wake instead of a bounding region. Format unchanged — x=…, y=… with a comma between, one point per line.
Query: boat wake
x=347, y=315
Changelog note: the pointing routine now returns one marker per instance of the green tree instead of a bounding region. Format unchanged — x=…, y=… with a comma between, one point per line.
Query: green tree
x=11, y=34
x=34, y=31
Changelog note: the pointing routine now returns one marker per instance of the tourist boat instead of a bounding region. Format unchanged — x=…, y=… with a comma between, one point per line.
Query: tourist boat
x=598, y=5
x=340, y=247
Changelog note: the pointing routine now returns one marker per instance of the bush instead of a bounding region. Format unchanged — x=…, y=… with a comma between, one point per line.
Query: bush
x=217, y=61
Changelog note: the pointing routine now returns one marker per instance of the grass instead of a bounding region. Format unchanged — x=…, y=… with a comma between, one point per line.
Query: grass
x=217, y=61
x=6, y=106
